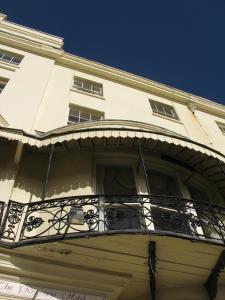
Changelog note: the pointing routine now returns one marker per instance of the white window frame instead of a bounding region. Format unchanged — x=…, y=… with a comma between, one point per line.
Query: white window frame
x=12, y=57
x=104, y=162
x=3, y=83
x=84, y=110
x=93, y=85
x=221, y=126
x=161, y=109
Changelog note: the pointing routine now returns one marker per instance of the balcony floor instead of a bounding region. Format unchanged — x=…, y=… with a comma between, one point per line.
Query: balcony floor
x=116, y=266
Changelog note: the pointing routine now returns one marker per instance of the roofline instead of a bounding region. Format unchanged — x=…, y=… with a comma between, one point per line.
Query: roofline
x=50, y=46
x=140, y=82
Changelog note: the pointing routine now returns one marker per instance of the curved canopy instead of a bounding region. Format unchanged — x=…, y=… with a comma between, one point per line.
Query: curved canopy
x=108, y=129
x=106, y=133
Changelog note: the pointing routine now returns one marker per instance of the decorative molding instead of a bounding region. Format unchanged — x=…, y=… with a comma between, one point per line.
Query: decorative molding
x=51, y=46
x=191, y=106
x=3, y=17
x=30, y=34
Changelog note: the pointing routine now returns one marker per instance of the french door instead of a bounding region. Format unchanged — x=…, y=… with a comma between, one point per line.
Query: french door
x=122, y=211
x=167, y=210
x=208, y=219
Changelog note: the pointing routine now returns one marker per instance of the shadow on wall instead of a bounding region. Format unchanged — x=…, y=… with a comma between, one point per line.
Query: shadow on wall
x=53, y=274
x=7, y=153
x=70, y=174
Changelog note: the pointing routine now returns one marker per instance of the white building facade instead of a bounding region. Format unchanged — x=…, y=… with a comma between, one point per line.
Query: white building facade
x=112, y=185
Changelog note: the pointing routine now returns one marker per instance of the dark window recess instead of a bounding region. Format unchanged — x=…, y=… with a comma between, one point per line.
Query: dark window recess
x=88, y=86
x=77, y=115
x=163, y=110
x=2, y=85
x=11, y=58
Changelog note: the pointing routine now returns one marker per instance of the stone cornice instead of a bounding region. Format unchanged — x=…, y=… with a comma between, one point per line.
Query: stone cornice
x=51, y=46
x=141, y=83
x=30, y=34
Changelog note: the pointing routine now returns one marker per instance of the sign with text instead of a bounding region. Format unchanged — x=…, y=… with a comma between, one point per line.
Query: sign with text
x=31, y=292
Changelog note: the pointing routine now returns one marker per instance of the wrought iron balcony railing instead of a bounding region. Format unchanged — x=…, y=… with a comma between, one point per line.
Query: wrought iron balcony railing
x=85, y=215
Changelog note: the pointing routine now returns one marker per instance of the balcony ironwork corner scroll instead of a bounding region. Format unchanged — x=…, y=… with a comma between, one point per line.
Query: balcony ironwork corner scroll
x=12, y=220
x=50, y=219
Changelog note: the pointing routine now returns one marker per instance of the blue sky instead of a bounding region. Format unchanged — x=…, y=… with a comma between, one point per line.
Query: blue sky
x=180, y=43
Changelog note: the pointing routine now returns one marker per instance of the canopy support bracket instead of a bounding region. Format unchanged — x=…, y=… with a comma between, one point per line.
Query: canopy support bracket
x=47, y=173
x=152, y=269
x=212, y=281
x=142, y=161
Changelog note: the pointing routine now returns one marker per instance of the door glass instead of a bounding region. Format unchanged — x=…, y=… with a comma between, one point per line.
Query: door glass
x=120, y=181
x=207, y=219
x=167, y=211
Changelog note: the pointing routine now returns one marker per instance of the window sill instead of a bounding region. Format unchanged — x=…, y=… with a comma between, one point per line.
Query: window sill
x=86, y=93
x=167, y=118
x=8, y=66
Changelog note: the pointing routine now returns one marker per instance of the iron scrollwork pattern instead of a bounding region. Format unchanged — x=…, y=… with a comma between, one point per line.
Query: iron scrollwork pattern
x=53, y=219
x=12, y=220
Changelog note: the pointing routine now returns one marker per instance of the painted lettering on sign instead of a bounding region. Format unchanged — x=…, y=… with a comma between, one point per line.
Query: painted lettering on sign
x=18, y=289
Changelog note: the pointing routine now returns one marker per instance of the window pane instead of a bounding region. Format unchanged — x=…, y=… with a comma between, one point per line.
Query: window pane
x=95, y=118
x=87, y=86
x=154, y=108
x=221, y=127
x=164, y=110
x=10, y=57
x=16, y=60
x=74, y=113
x=169, y=112
x=76, y=116
x=77, y=83
x=2, y=85
x=85, y=115
x=96, y=89
x=73, y=119
x=160, y=109
x=7, y=57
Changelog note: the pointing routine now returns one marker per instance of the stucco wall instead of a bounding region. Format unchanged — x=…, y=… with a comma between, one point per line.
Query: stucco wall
x=39, y=94
x=69, y=175
x=119, y=102
x=22, y=96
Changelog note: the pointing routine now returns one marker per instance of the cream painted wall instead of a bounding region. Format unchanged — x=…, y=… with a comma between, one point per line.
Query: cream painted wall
x=44, y=89
x=7, y=169
x=54, y=109
x=29, y=181
x=211, y=128
x=39, y=93
x=37, y=97
x=71, y=175
x=21, y=98
x=118, y=102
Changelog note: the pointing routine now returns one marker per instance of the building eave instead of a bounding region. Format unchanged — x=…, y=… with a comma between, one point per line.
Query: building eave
x=139, y=82
x=50, y=46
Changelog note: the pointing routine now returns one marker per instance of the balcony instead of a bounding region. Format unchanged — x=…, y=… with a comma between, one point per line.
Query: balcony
x=71, y=217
